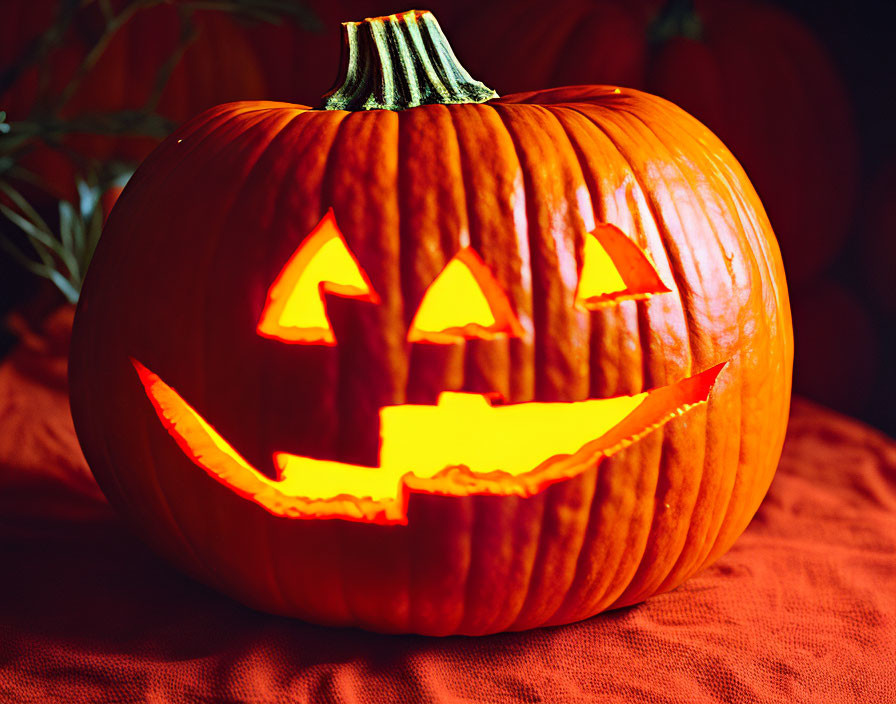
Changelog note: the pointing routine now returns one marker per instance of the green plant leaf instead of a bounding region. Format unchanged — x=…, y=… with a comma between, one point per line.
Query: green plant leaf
x=66, y=224
x=24, y=206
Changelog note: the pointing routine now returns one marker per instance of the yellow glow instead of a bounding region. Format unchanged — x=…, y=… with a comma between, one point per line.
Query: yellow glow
x=599, y=277
x=295, y=310
x=322, y=479
x=614, y=269
x=465, y=429
x=297, y=476
x=196, y=437
x=465, y=301
x=220, y=444
x=462, y=430
x=304, y=308
x=454, y=300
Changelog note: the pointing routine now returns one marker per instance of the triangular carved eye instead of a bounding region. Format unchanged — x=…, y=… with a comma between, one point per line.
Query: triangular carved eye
x=464, y=302
x=295, y=310
x=614, y=269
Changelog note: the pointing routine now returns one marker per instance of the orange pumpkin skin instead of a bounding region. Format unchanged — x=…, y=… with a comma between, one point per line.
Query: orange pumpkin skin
x=179, y=280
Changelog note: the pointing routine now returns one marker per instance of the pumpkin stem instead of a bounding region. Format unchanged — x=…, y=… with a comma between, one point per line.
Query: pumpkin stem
x=398, y=62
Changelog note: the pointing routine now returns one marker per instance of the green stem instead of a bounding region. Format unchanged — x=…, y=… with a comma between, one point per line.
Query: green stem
x=399, y=62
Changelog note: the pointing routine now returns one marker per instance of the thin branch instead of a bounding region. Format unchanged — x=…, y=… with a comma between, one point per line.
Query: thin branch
x=188, y=34
x=106, y=9
x=24, y=206
x=96, y=51
x=120, y=123
x=41, y=46
x=24, y=260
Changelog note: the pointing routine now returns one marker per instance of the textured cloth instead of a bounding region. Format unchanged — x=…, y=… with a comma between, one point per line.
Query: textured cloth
x=803, y=608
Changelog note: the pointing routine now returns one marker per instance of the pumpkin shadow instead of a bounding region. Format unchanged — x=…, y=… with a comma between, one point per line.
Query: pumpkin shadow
x=91, y=593
x=97, y=588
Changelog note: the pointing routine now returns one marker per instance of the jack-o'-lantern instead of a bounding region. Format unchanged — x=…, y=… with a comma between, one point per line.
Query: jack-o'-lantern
x=428, y=360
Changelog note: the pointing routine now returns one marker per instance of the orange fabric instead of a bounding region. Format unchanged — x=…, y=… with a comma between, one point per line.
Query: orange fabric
x=803, y=609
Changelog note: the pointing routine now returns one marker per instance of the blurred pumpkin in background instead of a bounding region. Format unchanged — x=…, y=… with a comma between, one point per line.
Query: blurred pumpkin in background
x=750, y=71
x=217, y=65
x=838, y=368
x=877, y=267
x=298, y=59
x=520, y=45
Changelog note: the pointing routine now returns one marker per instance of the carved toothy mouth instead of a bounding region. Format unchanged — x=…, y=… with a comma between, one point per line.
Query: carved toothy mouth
x=461, y=446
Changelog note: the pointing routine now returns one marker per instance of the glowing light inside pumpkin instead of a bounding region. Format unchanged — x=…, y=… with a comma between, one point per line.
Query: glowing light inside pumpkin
x=614, y=269
x=462, y=430
x=454, y=300
x=464, y=302
x=295, y=310
x=465, y=429
x=599, y=274
x=193, y=434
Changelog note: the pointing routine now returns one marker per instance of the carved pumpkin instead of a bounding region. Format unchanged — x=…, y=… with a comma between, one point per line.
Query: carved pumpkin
x=425, y=360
